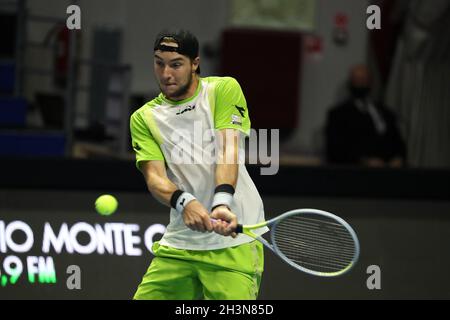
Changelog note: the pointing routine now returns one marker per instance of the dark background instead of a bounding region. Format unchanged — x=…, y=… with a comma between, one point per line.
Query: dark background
x=405, y=234
x=66, y=98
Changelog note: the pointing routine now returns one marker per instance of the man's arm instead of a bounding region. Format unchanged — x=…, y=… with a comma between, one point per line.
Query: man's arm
x=230, y=116
x=226, y=176
x=227, y=157
x=195, y=215
x=158, y=184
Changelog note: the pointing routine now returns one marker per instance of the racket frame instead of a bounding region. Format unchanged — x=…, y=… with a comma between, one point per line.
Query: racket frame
x=273, y=247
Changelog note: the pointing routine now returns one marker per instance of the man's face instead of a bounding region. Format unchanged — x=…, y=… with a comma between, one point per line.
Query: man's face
x=174, y=72
x=360, y=76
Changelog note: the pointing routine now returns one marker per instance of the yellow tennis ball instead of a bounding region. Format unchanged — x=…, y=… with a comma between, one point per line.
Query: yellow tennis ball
x=106, y=204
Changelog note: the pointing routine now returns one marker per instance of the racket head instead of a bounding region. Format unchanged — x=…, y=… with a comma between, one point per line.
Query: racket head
x=315, y=241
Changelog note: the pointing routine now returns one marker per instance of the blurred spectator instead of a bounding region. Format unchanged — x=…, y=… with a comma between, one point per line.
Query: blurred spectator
x=361, y=131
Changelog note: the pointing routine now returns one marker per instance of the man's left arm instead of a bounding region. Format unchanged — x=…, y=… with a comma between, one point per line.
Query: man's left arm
x=231, y=119
x=226, y=176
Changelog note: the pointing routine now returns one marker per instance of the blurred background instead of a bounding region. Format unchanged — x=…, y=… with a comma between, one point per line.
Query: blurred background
x=361, y=98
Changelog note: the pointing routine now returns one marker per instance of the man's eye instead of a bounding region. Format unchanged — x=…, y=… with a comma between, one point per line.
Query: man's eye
x=176, y=65
x=160, y=64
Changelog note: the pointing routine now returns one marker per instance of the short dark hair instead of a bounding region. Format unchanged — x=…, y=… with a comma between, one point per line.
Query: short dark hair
x=187, y=43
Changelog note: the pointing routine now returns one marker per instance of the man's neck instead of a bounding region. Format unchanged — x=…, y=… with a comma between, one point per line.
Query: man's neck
x=191, y=91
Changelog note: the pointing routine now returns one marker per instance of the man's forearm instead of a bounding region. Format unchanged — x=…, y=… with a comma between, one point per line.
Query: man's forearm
x=227, y=174
x=227, y=168
x=161, y=188
x=166, y=192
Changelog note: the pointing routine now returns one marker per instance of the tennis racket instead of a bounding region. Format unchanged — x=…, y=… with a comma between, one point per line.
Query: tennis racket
x=313, y=241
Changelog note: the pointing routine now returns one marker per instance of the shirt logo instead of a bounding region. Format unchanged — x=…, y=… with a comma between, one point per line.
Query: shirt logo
x=241, y=110
x=235, y=119
x=188, y=108
x=137, y=147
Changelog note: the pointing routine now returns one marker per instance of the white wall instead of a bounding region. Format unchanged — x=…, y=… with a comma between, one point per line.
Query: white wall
x=140, y=20
x=145, y=19
x=322, y=79
x=36, y=32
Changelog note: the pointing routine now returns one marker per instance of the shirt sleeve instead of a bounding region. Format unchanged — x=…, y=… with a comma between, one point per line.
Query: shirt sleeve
x=143, y=142
x=231, y=108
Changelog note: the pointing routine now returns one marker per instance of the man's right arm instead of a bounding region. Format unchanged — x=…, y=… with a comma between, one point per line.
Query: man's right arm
x=158, y=183
x=195, y=215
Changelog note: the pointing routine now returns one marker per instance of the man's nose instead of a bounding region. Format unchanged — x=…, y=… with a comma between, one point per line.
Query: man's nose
x=166, y=73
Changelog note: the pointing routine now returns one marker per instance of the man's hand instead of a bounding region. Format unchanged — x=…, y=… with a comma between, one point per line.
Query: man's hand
x=226, y=221
x=196, y=217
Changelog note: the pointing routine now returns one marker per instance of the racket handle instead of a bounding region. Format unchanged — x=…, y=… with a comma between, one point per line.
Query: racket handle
x=238, y=227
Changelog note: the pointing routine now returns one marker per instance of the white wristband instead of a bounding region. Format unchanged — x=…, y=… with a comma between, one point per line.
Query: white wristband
x=222, y=198
x=183, y=200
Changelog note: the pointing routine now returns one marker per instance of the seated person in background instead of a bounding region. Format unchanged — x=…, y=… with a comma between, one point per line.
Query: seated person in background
x=360, y=131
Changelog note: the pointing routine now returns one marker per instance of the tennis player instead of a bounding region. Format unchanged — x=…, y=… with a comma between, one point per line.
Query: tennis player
x=172, y=135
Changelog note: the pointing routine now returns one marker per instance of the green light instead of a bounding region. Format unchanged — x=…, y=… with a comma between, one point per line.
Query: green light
x=47, y=277
x=31, y=277
x=4, y=280
x=14, y=278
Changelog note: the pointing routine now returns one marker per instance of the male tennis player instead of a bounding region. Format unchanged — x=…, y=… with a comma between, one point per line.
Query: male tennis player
x=172, y=135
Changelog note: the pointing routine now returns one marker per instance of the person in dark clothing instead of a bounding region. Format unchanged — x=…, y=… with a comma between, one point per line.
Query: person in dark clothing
x=360, y=131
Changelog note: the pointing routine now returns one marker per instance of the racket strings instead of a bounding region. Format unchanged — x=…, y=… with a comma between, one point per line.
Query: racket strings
x=342, y=233
x=320, y=241
x=313, y=250
x=310, y=255
x=314, y=242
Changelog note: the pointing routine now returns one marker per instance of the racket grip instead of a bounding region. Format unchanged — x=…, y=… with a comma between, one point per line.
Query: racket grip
x=238, y=227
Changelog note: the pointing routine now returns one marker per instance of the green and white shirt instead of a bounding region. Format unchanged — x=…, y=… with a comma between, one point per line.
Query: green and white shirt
x=183, y=134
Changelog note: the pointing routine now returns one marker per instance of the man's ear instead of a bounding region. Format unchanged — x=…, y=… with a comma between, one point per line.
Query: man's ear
x=195, y=64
